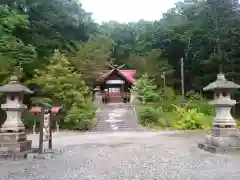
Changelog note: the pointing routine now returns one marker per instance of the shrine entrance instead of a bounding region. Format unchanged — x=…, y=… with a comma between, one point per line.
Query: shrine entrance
x=115, y=90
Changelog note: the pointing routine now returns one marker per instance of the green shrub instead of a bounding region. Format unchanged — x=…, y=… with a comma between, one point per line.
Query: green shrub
x=202, y=106
x=167, y=97
x=188, y=119
x=79, y=119
x=150, y=116
x=160, y=108
x=147, y=114
x=166, y=119
x=194, y=96
x=195, y=100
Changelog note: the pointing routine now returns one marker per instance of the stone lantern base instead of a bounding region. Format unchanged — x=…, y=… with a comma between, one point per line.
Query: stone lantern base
x=14, y=144
x=222, y=140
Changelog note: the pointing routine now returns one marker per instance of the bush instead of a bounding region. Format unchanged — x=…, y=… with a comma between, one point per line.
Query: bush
x=166, y=99
x=151, y=116
x=166, y=120
x=166, y=113
x=79, y=119
x=147, y=115
x=195, y=100
x=202, y=106
x=159, y=107
x=188, y=119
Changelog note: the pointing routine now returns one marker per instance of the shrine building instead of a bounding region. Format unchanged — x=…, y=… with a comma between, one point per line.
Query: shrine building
x=114, y=86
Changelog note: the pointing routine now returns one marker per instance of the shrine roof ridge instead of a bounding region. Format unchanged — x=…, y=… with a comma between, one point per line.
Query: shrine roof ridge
x=128, y=74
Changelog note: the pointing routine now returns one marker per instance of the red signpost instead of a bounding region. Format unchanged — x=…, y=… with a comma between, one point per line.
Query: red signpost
x=37, y=109
x=42, y=111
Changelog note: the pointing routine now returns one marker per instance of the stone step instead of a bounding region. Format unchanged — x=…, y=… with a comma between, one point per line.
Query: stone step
x=119, y=126
x=117, y=130
x=122, y=125
x=117, y=117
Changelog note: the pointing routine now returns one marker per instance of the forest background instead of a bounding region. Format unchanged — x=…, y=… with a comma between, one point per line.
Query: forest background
x=57, y=49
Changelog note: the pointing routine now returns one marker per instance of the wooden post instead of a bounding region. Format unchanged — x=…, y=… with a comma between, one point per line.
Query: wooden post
x=34, y=126
x=41, y=131
x=57, y=126
x=50, y=131
x=122, y=93
x=182, y=83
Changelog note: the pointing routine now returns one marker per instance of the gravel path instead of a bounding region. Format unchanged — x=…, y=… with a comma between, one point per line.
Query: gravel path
x=126, y=156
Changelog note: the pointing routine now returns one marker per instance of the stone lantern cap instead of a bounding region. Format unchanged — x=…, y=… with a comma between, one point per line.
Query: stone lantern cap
x=221, y=83
x=14, y=86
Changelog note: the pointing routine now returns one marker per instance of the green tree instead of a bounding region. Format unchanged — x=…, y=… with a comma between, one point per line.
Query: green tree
x=59, y=83
x=93, y=57
x=13, y=52
x=145, y=89
x=153, y=65
x=124, y=38
x=55, y=24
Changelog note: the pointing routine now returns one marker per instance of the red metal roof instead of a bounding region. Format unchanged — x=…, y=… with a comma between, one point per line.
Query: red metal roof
x=37, y=109
x=128, y=74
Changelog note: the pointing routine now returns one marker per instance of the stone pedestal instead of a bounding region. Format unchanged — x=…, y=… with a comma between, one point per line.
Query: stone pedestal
x=14, y=145
x=98, y=97
x=221, y=140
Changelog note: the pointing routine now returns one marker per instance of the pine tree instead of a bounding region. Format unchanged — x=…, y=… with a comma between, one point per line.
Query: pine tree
x=145, y=89
x=60, y=82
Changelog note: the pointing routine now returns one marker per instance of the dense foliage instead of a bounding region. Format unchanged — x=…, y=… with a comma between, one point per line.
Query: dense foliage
x=58, y=50
x=40, y=41
x=160, y=107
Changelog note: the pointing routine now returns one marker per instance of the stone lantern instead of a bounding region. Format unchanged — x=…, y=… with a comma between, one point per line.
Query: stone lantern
x=224, y=135
x=13, y=135
x=97, y=94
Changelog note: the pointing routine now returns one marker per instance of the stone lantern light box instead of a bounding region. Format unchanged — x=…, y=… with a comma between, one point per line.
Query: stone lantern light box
x=224, y=135
x=14, y=106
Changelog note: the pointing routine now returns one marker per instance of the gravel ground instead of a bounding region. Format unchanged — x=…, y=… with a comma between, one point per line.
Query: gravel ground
x=126, y=156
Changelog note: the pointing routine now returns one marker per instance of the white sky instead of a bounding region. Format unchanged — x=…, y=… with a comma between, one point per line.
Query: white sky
x=127, y=10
